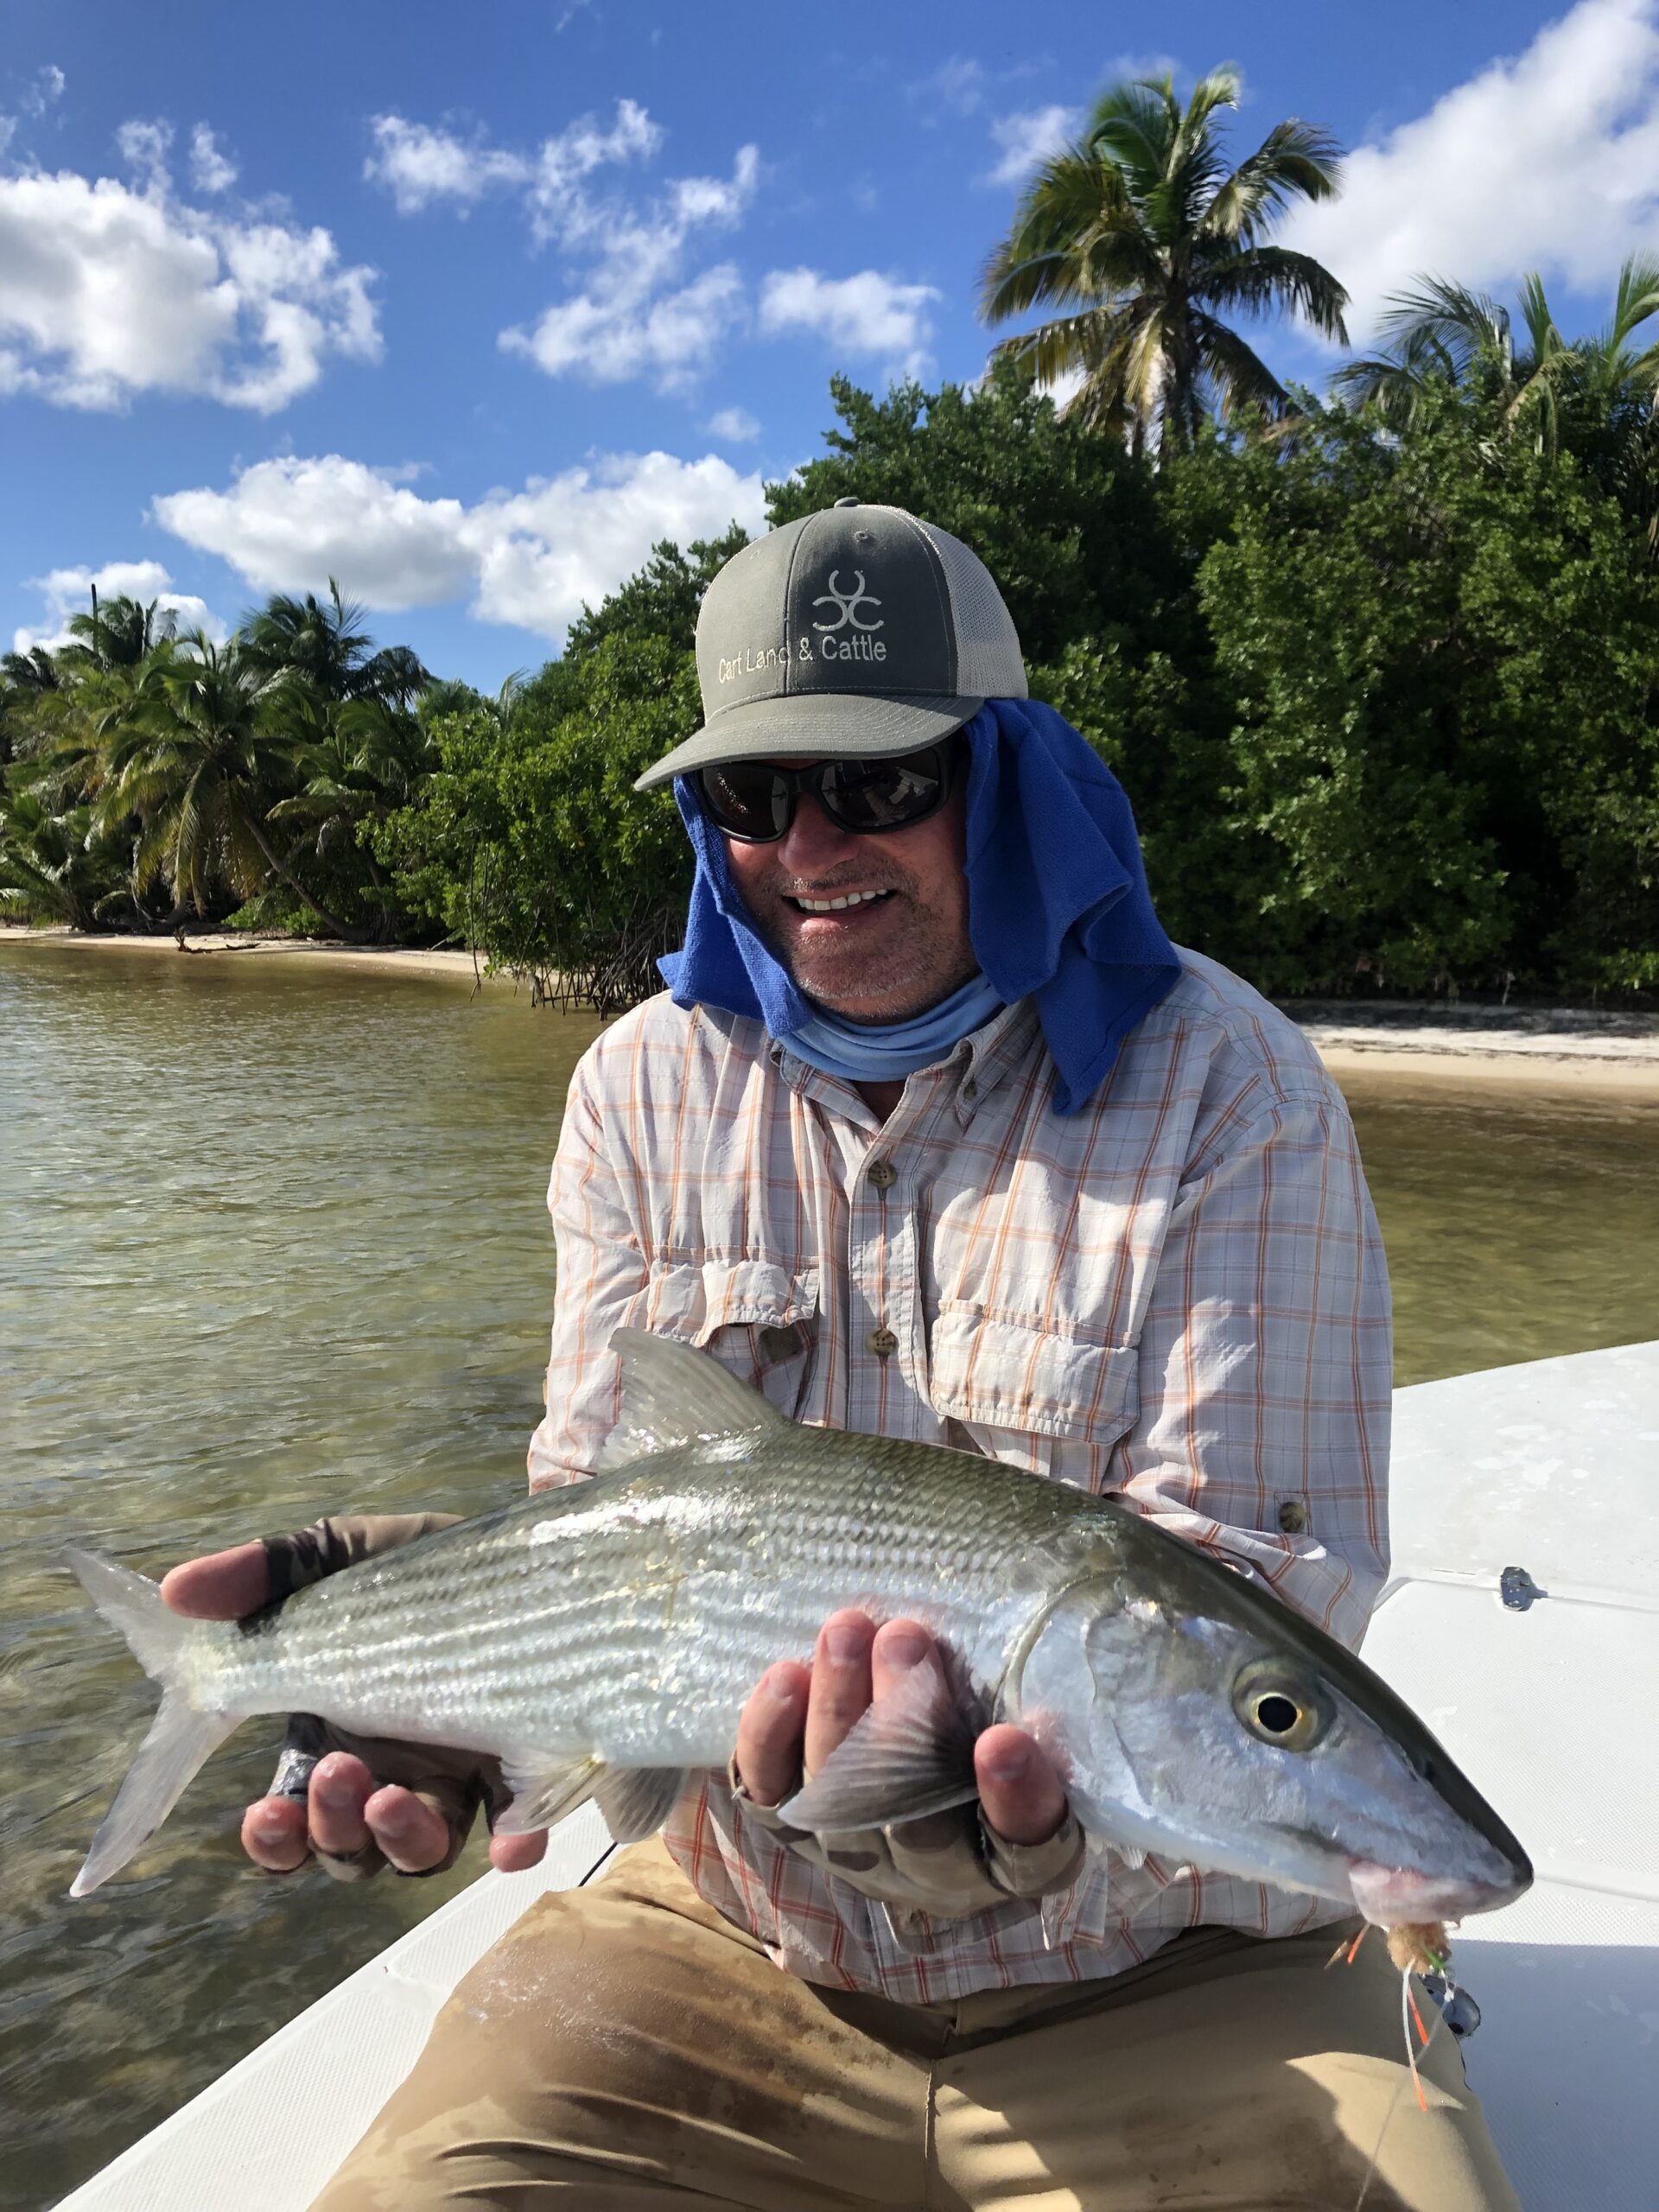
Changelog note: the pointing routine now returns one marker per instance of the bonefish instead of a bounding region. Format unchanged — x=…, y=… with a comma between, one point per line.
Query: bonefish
x=603, y=1640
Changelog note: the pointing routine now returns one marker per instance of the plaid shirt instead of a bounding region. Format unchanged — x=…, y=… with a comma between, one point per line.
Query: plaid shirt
x=1177, y=1295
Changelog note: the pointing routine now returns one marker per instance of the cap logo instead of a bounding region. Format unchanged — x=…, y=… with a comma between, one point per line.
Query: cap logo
x=848, y=602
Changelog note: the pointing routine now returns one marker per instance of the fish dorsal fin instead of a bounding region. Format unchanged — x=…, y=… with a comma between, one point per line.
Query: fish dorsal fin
x=673, y=1395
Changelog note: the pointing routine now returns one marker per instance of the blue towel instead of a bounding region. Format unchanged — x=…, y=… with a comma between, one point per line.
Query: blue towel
x=1057, y=905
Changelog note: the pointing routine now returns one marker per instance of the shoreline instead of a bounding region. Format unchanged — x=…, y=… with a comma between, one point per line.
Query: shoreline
x=387, y=959
x=1563, y=1048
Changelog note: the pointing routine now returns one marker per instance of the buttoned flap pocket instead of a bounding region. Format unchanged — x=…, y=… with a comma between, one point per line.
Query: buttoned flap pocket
x=1032, y=1395
x=759, y=1318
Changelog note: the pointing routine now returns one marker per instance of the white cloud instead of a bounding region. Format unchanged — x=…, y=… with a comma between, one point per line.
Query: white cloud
x=289, y=523
x=569, y=539
x=1547, y=161
x=559, y=208
x=109, y=290
x=1033, y=135
x=736, y=424
x=69, y=591
x=866, y=314
x=635, y=311
x=530, y=558
x=633, y=317
x=45, y=87
x=422, y=166
x=617, y=330
x=210, y=169
x=957, y=84
x=1130, y=68
x=419, y=166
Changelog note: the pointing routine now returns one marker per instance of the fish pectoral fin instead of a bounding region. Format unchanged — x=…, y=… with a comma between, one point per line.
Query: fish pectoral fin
x=911, y=1752
x=543, y=1789
x=637, y=1799
x=674, y=1395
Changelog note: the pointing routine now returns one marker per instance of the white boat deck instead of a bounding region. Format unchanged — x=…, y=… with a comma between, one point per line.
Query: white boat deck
x=1553, y=1710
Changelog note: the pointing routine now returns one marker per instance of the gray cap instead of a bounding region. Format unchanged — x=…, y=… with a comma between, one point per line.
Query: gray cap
x=859, y=630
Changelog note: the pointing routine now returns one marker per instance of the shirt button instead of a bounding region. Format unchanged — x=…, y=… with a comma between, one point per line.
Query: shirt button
x=883, y=1174
x=1293, y=1517
x=882, y=1342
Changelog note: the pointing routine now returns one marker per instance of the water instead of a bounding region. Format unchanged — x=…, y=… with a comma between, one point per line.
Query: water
x=272, y=1242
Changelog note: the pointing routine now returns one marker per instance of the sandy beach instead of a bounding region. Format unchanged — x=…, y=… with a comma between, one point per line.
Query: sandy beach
x=389, y=960
x=1571, y=1048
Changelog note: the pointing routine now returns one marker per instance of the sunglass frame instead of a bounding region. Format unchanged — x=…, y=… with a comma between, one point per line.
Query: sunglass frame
x=795, y=781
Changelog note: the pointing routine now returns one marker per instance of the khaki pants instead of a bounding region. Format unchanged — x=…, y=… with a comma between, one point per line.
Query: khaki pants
x=624, y=2048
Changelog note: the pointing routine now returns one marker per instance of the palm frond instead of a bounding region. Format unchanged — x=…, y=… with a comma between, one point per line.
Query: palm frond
x=1295, y=161
x=1242, y=381
x=1270, y=279
x=1637, y=298
x=1464, y=323
x=1133, y=126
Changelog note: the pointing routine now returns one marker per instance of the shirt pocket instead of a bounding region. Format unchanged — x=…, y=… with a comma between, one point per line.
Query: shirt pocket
x=1031, y=1395
x=759, y=1318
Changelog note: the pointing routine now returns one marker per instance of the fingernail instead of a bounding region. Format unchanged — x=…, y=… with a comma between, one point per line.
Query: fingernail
x=847, y=1642
x=782, y=1686
x=335, y=1791
x=906, y=1650
x=1011, y=1765
x=395, y=1821
x=270, y=1832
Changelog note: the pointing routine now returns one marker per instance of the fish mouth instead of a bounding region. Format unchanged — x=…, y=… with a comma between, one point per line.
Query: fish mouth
x=1390, y=1897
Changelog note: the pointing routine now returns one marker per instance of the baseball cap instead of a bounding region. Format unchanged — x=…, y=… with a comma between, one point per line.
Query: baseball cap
x=856, y=631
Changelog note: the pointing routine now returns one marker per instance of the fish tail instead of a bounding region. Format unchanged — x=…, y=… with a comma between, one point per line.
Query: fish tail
x=180, y=1737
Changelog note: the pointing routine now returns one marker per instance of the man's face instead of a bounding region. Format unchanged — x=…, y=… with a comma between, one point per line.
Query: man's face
x=885, y=957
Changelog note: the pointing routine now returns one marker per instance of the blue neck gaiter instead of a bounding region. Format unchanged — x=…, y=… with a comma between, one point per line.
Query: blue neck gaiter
x=867, y=1052
x=1058, y=911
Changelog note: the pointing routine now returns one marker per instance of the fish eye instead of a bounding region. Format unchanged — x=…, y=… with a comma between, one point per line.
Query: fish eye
x=1280, y=1709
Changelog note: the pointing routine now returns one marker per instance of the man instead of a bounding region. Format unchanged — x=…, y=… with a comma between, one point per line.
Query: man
x=937, y=1136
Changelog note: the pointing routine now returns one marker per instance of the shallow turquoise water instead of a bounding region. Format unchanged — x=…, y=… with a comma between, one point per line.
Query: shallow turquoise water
x=272, y=1242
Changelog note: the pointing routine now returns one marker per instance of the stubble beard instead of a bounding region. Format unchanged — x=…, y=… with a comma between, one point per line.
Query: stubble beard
x=920, y=958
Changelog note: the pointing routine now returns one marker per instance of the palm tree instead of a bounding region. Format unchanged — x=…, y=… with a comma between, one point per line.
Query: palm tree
x=116, y=635
x=53, y=864
x=1445, y=334
x=1142, y=233
x=359, y=763
x=324, y=645
x=194, y=756
x=1597, y=395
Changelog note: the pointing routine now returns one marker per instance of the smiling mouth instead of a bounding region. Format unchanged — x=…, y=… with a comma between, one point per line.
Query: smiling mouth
x=839, y=904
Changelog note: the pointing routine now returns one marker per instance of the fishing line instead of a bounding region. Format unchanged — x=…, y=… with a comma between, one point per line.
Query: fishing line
x=1409, y=2012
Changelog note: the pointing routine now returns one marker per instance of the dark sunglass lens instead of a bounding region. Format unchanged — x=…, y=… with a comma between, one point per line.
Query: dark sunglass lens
x=883, y=794
x=748, y=798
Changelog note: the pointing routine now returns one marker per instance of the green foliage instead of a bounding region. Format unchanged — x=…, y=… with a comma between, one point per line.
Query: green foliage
x=1443, y=655
x=1385, y=695
x=1153, y=247
x=527, y=840
x=198, y=778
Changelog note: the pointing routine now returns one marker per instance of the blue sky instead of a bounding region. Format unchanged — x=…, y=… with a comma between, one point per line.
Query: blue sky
x=469, y=305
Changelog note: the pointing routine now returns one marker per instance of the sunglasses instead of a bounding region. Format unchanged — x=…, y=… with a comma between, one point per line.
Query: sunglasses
x=755, y=803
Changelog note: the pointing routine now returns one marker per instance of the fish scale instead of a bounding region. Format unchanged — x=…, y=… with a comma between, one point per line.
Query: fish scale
x=603, y=1639
x=660, y=1563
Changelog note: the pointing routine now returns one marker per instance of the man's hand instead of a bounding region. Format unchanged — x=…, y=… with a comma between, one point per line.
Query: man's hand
x=347, y=1810
x=798, y=1715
